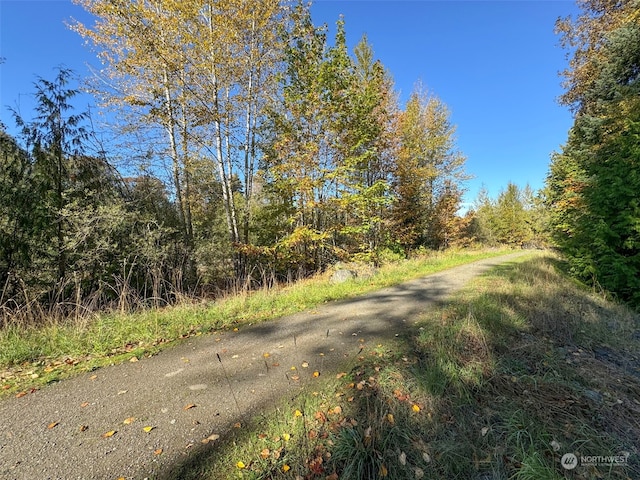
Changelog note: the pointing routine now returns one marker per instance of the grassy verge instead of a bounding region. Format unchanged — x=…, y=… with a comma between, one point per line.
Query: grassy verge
x=31, y=357
x=522, y=370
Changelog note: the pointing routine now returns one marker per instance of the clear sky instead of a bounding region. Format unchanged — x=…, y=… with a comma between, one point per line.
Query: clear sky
x=494, y=63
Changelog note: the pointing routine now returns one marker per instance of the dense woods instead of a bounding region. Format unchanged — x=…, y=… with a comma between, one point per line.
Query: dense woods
x=593, y=187
x=247, y=148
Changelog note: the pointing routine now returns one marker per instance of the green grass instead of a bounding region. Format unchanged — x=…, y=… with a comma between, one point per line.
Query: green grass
x=31, y=357
x=499, y=384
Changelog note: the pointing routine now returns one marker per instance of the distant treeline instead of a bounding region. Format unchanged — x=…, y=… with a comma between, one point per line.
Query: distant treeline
x=255, y=152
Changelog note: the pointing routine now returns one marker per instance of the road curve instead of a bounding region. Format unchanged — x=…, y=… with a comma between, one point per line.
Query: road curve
x=222, y=376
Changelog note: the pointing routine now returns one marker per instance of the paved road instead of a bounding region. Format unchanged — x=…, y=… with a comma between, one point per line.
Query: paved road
x=156, y=390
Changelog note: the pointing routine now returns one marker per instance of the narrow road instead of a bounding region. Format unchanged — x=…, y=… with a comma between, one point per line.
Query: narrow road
x=158, y=391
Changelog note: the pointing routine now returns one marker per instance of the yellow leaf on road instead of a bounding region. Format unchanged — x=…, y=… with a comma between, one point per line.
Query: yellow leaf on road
x=129, y=420
x=108, y=434
x=148, y=429
x=52, y=425
x=211, y=438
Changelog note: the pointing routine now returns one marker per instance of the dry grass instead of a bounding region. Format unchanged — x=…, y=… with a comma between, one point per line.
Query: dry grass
x=521, y=368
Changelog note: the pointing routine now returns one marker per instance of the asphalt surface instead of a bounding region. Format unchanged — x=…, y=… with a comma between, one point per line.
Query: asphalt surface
x=199, y=388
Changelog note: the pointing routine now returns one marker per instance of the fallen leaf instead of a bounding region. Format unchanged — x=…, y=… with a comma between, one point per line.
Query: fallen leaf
x=320, y=416
x=129, y=420
x=265, y=453
x=415, y=408
x=402, y=458
x=286, y=437
x=6, y=387
x=485, y=430
x=240, y=464
x=295, y=378
x=84, y=428
x=189, y=407
x=93, y=377
x=341, y=374
x=84, y=404
x=148, y=429
x=266, y=354
x=52, y=425
x=337, y=410
x=286, y=468
x=276, y=364
x=237, y=425
x=108, y=434
x=297, y=413
x=316, y=374
x=390, y=419
x=383, y=471
x=122, y=392
x=133, y=359
x=418, y=472
x=305, y=364
x=157, y=451
x=21, y=394
x=211, y=438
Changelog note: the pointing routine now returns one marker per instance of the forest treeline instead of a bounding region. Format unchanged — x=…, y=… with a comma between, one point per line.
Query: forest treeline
x=593, y=187
x=245, y=148
x=250, y=150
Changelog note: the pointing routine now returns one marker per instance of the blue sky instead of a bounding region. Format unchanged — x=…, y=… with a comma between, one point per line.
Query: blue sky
x=494, y=63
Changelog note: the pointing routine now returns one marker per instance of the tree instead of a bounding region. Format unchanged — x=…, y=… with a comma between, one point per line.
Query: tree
x=593, y=182
x=427, y=169
x=56, y=139
x=21, y=218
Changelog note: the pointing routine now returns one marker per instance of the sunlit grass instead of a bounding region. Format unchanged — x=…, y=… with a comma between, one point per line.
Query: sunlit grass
x=493, y=386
